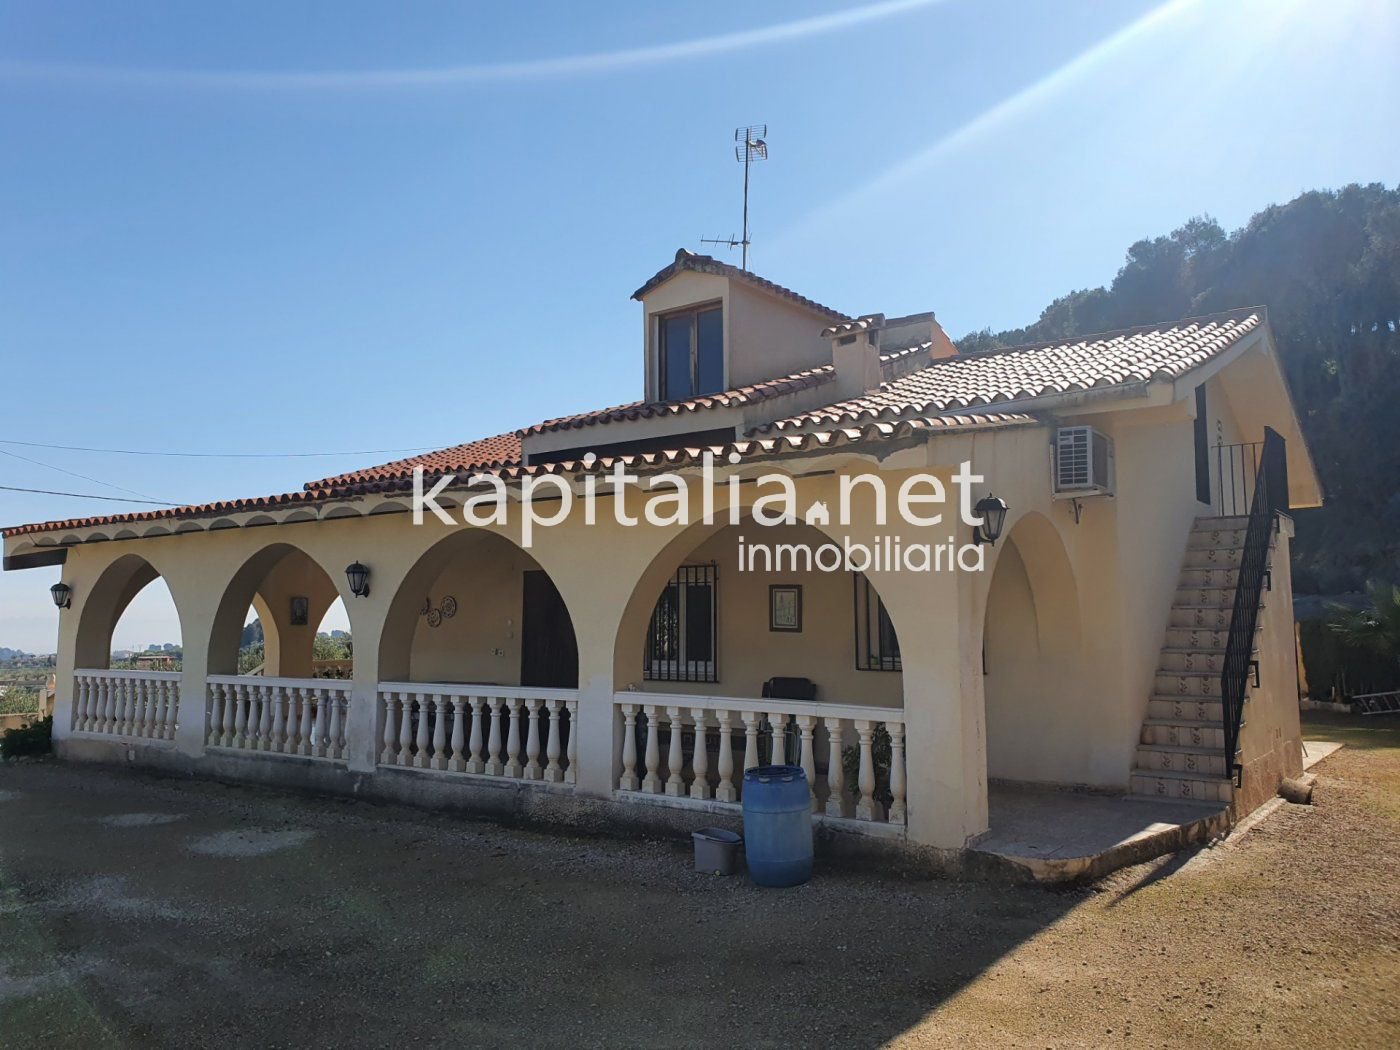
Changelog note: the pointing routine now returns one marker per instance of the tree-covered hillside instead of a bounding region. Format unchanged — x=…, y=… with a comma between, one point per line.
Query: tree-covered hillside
x=1327, y=267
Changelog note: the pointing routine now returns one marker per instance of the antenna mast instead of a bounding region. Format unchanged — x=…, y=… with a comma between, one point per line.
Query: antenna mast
x=750, y=145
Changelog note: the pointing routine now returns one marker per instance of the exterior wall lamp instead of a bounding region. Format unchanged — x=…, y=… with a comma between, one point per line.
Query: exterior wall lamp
x=62, y=595
x=992, y=510
x=358, y=576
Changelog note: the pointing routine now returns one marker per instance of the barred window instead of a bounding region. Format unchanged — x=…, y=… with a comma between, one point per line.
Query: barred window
x=877, y=645
x=682, y=638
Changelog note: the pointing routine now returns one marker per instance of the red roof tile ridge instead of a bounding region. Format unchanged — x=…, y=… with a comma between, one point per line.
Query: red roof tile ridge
x=688, y=260
x=758, y=391
x=1241, y=313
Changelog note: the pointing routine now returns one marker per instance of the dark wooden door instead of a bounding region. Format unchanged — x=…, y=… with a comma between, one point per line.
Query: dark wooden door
x=548, y=651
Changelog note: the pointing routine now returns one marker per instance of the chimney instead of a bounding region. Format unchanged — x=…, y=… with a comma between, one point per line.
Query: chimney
x=855, y=351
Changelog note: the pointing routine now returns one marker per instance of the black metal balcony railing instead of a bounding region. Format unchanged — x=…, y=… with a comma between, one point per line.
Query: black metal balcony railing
x=1268, y=495
x=1234, y=469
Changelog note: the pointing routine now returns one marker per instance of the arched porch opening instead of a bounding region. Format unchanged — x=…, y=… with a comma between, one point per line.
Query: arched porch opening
x=273, y=701
x=128, y=607
x=1032, y=661
x=286, y=594
x=478, y=665
x=756, y=641
x=478, y=609
x=126, y=682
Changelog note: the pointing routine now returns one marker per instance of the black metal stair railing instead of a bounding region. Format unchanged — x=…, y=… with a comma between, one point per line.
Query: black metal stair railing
x=1269, y=497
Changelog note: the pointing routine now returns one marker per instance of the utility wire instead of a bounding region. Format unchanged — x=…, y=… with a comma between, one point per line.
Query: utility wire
x=222, y=455
x=84, y=477
x=85, y=495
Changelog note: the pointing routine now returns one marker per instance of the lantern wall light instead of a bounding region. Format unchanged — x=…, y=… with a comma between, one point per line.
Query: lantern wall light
x=358, y=577
x=992, y=510
x=62, y=595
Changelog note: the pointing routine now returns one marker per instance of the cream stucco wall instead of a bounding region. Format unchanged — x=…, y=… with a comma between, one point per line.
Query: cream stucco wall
x=749, y=653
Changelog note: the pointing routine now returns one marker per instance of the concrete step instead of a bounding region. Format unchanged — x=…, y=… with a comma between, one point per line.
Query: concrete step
x=1156, y=758
x=1183, y=732
x=1186, y=709
x=1198, y=787
x=1205, y=807
x=1186, y=685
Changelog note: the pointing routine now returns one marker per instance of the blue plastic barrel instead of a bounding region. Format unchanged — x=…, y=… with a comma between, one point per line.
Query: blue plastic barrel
x=777, y=825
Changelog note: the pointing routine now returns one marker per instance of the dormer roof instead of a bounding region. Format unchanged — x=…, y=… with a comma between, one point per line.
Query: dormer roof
x=688, y=260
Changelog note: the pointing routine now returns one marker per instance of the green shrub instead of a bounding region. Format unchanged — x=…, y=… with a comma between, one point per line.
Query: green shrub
x=1331, y=664
x=33, y=739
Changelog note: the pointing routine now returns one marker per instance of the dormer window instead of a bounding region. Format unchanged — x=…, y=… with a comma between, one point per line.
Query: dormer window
x=690, y=352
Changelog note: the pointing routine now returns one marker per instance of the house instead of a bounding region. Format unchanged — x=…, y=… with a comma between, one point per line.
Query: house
x=1100, y=599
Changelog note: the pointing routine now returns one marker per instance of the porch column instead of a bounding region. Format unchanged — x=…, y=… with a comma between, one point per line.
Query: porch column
x=945, y=729
x=363, y=732
x=599, y=737
x=194, y=679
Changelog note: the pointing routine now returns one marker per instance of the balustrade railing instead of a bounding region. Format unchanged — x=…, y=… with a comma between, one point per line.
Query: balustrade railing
x=685, y=747
x=279, y=716
x=140, y=704
x=481, y=730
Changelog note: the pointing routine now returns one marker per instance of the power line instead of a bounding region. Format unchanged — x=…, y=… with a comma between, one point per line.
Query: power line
x=85, y=495
x=222, y=455
x=84, y=477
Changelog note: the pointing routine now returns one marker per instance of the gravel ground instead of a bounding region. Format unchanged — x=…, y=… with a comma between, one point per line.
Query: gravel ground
x=142, y=911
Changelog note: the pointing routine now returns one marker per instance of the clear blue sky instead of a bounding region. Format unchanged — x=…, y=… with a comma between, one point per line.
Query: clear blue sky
x=325, y=226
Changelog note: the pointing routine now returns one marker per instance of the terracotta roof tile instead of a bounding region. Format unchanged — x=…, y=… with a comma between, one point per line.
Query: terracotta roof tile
x=748, y=449
x=1037, y=370
x=688, y=260
x=499, y=451
x=949, y=393
x=743, y=395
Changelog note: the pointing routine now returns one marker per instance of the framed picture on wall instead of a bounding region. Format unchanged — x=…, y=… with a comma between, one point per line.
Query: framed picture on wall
x=785, y=607
x=301, y=608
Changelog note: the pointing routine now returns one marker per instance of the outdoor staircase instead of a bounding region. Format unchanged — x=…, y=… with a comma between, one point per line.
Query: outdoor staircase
x=1181, y=752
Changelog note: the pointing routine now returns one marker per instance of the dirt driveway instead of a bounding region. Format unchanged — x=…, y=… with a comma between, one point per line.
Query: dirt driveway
x=139, y=911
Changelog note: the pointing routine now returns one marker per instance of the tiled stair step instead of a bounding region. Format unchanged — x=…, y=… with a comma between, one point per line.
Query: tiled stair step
x=1208, y=576
x=1213, y=617
x=1153, y=758
x=1207, y=556
x=1186, y=709
x=1208, y=598
x=1183, y=732
x=1200, y=639
x=1188, y=658
x=1187, y=685
x=1215, y=539
x=1206, y=595
x=1166, y=784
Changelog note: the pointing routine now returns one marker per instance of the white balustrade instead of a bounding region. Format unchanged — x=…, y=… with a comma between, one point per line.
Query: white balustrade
x=480, y=730
x=684, y=747
x=279, y=716
x=141, y=704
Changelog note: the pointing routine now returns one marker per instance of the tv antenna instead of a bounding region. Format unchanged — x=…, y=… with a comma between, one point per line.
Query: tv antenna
x=750, y=144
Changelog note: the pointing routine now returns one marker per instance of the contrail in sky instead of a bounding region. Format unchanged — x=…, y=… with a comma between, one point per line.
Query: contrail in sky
x=593, y=64
x=1006, y=111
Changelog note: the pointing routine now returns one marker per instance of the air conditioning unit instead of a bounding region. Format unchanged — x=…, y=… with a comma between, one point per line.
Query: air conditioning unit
x=1083, y=463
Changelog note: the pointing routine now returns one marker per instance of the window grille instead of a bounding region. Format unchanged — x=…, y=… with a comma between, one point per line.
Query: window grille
x=683, y=636
x=877, y=645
